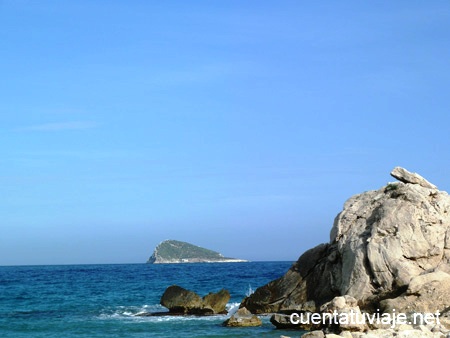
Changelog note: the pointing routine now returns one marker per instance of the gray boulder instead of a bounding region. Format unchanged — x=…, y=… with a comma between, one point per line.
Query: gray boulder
x=380, y=243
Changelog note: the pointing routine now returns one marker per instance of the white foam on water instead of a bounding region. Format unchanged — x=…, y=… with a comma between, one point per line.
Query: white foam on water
x=232, y=308
x=122, y=312
x=134, y=314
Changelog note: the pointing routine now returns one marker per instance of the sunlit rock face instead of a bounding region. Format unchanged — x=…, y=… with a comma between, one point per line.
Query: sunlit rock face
x=382, y=245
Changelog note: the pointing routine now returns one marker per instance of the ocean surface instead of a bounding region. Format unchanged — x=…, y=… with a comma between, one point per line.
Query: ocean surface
x=103, y=300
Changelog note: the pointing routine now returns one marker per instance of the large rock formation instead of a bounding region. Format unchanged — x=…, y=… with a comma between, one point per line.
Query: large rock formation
x=171, y=251
x=389, y=248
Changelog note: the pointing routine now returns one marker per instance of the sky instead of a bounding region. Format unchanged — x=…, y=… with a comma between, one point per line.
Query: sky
x=239, y=126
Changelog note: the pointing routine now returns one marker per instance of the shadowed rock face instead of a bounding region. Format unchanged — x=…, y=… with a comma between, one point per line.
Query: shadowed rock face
x=379, y=243
x=180, y=300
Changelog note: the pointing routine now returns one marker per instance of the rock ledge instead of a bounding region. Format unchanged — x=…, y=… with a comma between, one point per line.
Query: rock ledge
x=405, y=176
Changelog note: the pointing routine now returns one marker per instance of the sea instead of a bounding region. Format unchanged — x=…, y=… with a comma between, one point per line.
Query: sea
x=56, y=301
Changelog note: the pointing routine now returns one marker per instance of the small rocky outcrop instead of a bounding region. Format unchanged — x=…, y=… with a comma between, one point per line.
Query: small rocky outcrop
x=181, y=301
x=242, y=318
x=405, y=176
x=389, y=248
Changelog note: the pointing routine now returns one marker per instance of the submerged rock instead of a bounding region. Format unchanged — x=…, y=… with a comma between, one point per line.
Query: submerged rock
x=383, y=246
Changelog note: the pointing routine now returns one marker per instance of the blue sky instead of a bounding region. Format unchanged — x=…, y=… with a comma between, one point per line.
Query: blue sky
x=241, y=126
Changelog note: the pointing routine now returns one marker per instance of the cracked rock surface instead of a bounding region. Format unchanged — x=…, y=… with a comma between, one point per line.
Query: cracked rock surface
x=389, y=247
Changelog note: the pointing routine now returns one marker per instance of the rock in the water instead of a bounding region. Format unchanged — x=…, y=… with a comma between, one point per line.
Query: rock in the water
x=380, y=244
x=242, y=318
x=217, y=302
x=405, y=176
x=181, y=301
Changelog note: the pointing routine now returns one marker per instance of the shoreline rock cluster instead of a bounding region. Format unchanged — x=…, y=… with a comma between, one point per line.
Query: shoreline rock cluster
x=389, y=250
x=183, y=302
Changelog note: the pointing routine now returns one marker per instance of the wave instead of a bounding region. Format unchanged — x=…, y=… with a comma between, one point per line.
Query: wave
x=232, y=308
x=121, y=312
x=135, y=313
x=250, y=291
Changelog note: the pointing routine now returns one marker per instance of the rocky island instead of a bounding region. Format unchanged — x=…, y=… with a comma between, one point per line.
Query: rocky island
x=389, y=252
x=171, y=251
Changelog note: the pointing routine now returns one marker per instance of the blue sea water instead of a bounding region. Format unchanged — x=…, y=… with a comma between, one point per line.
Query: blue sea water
x=103, y=300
